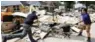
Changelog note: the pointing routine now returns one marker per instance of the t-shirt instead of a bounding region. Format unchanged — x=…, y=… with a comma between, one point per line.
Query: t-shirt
x=30, y=18
x=86, y=18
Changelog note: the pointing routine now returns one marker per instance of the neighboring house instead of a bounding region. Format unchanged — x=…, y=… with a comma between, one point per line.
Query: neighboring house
x=14, y=5
x=9, y=7
x=48, y=5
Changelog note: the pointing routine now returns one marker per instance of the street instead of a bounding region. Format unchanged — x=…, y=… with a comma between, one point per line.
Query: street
x=74, y=37
x=48, y=21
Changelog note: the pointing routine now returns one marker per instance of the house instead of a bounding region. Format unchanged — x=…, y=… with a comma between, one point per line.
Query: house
x=14, y=5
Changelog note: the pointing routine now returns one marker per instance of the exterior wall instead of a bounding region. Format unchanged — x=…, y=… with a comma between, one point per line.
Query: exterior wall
x=10, y=11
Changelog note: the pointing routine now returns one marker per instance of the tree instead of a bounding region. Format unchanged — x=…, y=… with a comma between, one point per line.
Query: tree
x=68, y=5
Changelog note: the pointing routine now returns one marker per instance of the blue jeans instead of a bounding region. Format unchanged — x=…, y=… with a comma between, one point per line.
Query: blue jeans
x=26, y=30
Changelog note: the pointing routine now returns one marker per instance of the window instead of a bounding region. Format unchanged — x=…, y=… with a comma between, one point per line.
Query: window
x=16, y=8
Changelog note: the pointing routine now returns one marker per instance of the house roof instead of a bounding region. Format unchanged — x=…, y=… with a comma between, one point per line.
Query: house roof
x=8, y=3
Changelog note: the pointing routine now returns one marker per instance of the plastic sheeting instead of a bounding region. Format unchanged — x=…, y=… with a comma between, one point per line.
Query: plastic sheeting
x=20, y=14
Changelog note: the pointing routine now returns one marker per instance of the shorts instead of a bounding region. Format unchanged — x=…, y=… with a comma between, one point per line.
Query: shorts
x=84, y=26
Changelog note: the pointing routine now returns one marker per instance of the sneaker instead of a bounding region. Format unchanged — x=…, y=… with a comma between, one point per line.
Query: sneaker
x=33, y=41
x=79, y=35
x=89, y=40
x=4, y=39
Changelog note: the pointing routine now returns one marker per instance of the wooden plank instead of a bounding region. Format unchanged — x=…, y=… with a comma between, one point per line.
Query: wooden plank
x=75, y=29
